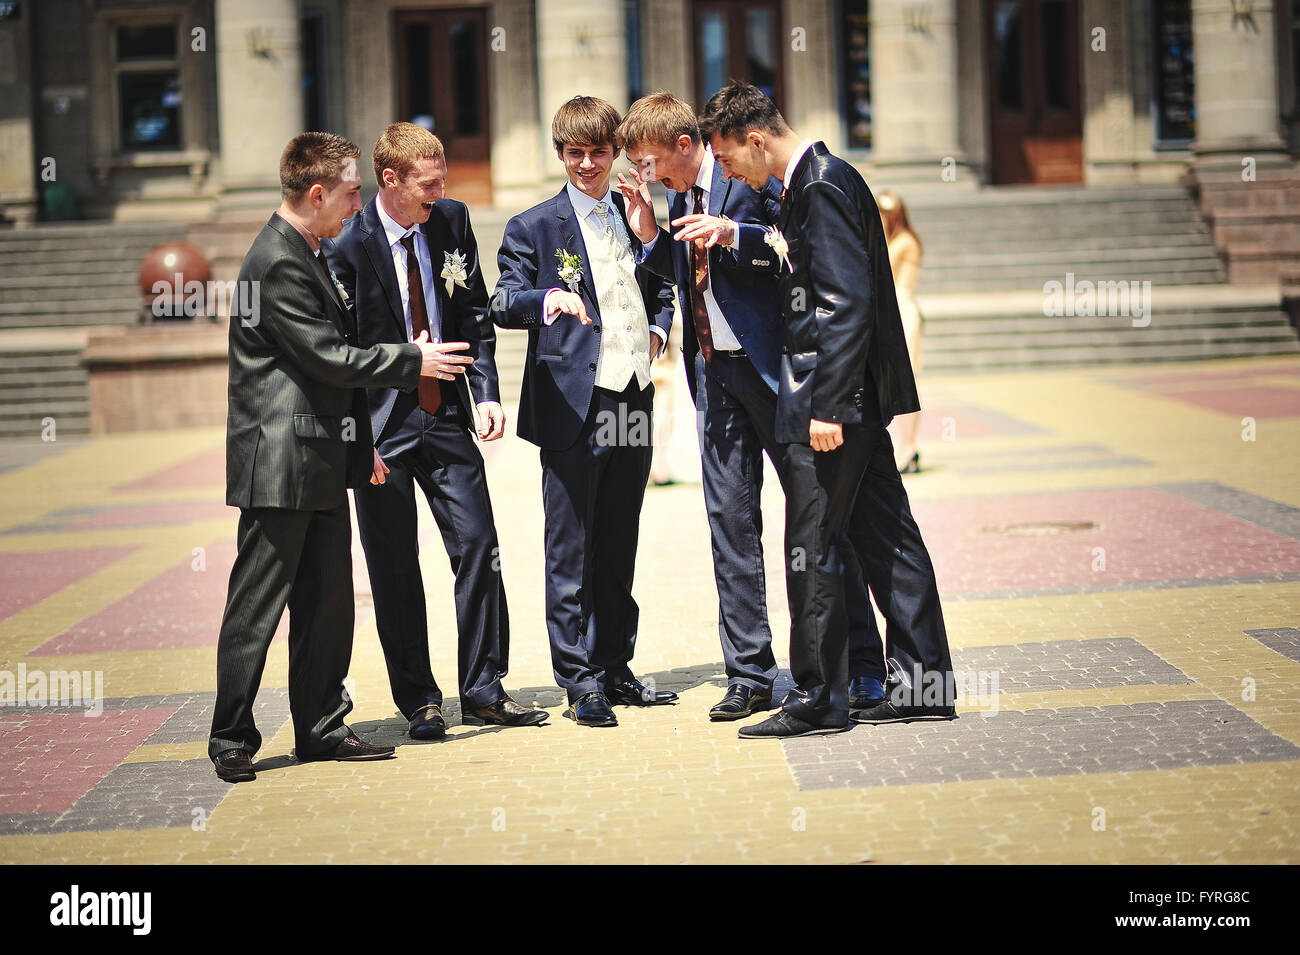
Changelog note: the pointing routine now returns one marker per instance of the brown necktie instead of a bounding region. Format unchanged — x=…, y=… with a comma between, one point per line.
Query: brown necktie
x=699, y=284
x=430, y=392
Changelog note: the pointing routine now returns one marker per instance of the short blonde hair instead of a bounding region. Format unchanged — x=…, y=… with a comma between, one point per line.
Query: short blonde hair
x=401, y=146
x=584, y=121
x=660, y=119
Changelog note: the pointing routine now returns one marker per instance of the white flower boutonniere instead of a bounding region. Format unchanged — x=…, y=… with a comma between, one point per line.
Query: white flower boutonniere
x=343, y=293
x=776, y=240
x=453, y=270
x=570, y=268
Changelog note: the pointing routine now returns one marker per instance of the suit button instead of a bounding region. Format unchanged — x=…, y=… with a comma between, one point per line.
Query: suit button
x=591, y=367
x=596, y=329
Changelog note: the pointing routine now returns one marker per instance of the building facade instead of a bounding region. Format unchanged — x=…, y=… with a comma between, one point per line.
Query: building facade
x=179, y=109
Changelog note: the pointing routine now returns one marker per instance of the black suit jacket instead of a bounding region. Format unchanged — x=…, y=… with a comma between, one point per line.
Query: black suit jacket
x=362, y=259
x=297, y=432
x=843, y=333
x=560, y=371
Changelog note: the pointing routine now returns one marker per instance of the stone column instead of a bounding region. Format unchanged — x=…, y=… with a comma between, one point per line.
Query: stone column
x=1236, y=82
x=581, y=49
x=915, y=91
x=17, y=169
x=259, y=94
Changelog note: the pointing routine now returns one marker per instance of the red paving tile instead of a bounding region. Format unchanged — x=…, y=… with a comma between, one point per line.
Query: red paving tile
x=1147, y=535
x=206, y=469
x=935, y=424
x=1264, y=401
x=31, y=577
x=50, y=760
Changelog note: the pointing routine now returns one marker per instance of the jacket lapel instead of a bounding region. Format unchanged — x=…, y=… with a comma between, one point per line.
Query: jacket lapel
x=381, y=260
x=571, y=230
x=801, y=171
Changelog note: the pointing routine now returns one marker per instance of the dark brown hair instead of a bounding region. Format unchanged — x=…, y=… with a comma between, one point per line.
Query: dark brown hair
x=311, y=158
x=737, y=108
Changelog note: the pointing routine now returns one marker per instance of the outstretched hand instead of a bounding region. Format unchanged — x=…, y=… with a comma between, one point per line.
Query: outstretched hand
x=640, y=207
x=437, y=359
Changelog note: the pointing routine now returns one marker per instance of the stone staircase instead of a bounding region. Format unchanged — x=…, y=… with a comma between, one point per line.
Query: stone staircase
x=990, y=256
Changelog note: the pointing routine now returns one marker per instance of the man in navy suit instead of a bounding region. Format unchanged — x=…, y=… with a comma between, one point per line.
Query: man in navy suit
x=409, y=262
x=845, y=373
x=595, y=321
x=726, y=277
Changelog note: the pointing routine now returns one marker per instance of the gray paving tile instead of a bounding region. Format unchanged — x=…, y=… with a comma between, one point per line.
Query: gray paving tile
x=1283, y=640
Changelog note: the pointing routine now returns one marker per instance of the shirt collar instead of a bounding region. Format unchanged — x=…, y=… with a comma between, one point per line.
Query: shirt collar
x=395, y=232
x=313, y=243
x=802, y=148
x=704, y=179
x=583, y=204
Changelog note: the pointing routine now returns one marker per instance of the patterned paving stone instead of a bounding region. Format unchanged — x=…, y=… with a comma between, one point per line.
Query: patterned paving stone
x=1273, y=515
x=1010, y=744
x=202, y=470
x=1068, y=665
x=1284, y=640
x=31, y=577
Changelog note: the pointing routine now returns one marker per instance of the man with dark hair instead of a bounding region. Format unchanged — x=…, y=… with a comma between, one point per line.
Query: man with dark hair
x=297, y=436
x=729, y=290
x=844, y=374
x=409, y=263
x=595, y=321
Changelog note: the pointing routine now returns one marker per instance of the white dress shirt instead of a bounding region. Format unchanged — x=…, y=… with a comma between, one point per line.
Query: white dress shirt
x=395, y=233
x=802, y=148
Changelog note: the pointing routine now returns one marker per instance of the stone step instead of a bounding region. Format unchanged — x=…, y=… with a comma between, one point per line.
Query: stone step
x=1075, y=356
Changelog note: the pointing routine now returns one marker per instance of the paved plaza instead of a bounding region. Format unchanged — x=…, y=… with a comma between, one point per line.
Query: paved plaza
x=1118, y=551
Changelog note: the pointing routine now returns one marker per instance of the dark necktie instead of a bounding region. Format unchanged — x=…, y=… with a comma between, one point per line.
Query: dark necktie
x=699, y=284
x=430, y=392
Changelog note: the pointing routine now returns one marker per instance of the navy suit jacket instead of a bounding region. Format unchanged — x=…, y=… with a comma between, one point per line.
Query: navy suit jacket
x=560, y=370
x=744, y=278
x=843, y=333
x=363, y=261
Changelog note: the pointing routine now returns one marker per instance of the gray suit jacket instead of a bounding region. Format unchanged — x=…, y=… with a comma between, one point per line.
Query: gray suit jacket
x=297, y=431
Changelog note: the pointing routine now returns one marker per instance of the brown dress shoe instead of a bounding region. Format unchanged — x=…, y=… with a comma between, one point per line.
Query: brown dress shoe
x=234, y=766
x=353, y=749
x=504, y=712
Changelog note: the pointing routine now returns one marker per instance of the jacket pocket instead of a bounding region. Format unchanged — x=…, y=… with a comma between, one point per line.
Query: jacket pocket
x=317, y=426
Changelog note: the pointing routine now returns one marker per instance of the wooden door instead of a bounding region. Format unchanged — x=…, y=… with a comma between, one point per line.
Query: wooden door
x=442, y=82
x=1032, y=51
x=737, y=39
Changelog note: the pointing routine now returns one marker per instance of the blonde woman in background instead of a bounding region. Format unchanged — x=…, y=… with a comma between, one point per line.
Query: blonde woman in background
x=905, y=262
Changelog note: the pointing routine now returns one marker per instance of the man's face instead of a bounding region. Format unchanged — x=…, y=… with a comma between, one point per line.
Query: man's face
x=589, y=167
x=410, y=200
x=741, y=159
x=338, y=204
x=676, y=165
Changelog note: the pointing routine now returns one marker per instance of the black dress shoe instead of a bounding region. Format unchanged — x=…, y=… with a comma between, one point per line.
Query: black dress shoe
x=234, y=766
x=504, y=712
x=782, y=725
x=591, y=710
x=632, y=692
x=740, y=701
x=427, y=723
x=892, y=712
x=864, y=693
x=353, y=749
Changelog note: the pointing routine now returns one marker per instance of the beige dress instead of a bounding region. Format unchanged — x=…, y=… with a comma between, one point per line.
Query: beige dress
x=905, y=263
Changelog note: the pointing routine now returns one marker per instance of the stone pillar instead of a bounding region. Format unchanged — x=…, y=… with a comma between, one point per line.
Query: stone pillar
x=259, y=94
x=1236, y=82
x=17, y=147
x=581, y=49
x=915, y=91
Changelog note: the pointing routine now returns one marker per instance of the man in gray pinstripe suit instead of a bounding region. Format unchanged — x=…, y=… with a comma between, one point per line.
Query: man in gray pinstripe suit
x=297, y=435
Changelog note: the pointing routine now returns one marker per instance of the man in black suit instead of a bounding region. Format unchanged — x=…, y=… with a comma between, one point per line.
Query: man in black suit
x=409, y=262
x=297, y=436
x=595, y=321
x=729, y=291
x=844, y=374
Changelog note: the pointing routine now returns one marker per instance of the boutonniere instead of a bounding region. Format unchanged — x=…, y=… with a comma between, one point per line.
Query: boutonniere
x=570, y=268
x=776, y=240
x=343, y=293
x=453, y=270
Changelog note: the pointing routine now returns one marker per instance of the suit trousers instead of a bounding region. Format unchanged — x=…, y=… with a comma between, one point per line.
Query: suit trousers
x=437, y=453
x=735, y=418
x=302, y=559
x=592, y=493
x=856, y=492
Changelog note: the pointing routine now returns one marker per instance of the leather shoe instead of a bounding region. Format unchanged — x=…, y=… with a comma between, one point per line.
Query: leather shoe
x=740, y=701
x=864, y=693
x=892, y=712
x=632, y=692
x=504, y=712
x=234, y=766
x=353, y=749
x=591, y=710
x=783, y=725
x=427, y=723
